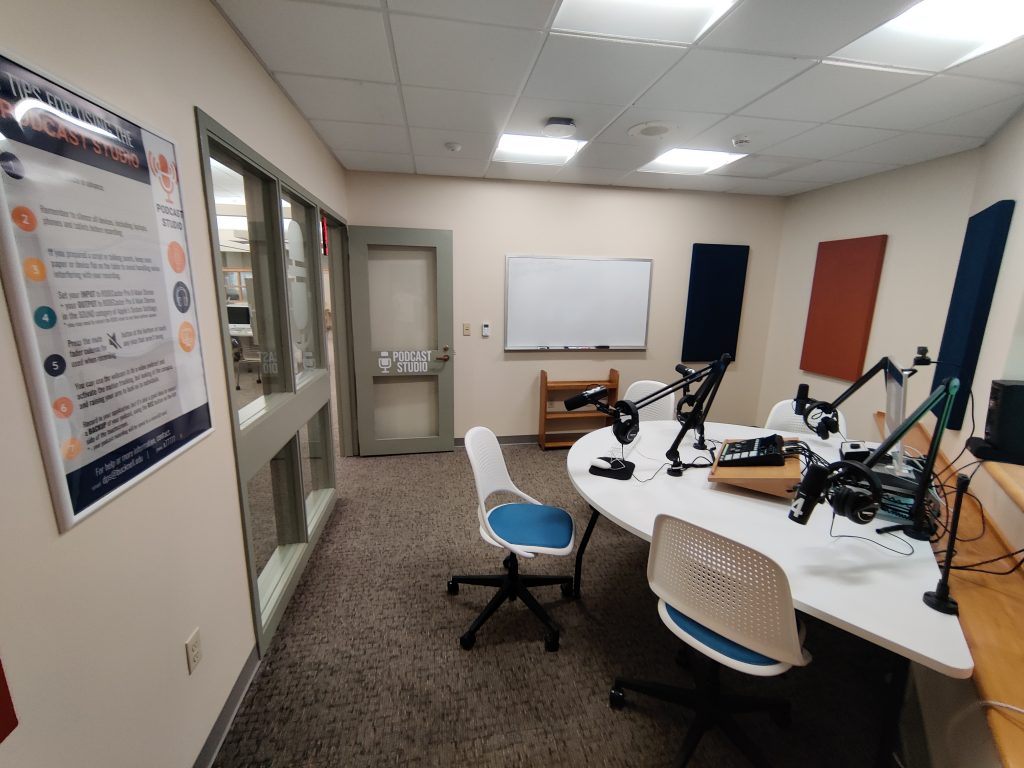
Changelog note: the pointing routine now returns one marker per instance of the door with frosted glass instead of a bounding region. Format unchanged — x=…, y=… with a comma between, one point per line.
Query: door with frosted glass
x=401, y=288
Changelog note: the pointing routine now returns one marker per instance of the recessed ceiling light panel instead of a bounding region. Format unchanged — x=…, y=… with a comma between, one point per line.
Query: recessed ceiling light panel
x=936, y=34
x=538, y=150
x=666, y=21
x=689, y=162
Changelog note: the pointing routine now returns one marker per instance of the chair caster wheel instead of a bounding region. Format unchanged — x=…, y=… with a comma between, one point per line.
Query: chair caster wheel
x=616, y=698
x=467, y=641
x=237, y=388
x=569, y=591
x=551, y=642
x=453, y=588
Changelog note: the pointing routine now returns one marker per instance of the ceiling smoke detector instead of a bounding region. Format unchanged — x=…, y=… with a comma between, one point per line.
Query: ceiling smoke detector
x=651, y=129
x=739, y=141
x=559, y=128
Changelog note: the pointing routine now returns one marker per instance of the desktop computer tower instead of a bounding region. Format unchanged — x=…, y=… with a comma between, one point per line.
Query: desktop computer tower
x=1004, y=426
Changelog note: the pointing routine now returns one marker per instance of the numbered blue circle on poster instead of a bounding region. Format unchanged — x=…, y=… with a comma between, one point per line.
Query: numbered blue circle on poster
x=45, y=317
x=55, y=365
x=182, y=297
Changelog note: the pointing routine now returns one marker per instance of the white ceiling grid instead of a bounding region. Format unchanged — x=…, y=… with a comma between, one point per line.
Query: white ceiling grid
x=393, y=85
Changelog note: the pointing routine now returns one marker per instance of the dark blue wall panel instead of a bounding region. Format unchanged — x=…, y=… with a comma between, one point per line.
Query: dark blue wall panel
x=971, y=300
x=712, y=326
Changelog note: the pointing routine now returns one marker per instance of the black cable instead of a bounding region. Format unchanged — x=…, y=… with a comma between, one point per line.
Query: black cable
x=1016, y=566
x=871, y=541
x=971, y=566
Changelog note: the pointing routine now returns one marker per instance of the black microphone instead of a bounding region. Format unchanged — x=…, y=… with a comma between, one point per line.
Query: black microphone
x=682, y=370
x=585, y=398
x=808, y=494
x=801, y=399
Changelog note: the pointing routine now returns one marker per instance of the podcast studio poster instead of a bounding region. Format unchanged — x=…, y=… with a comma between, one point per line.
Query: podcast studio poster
x=98, y=281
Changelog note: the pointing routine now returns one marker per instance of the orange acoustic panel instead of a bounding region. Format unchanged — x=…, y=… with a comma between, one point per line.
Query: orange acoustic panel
x=842, y=304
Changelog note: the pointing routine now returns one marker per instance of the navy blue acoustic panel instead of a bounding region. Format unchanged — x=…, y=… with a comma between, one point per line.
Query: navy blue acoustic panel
x=971, y=300
x=712, y=326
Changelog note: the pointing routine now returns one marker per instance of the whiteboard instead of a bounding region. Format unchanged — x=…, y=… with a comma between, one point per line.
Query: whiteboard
x=556, y=302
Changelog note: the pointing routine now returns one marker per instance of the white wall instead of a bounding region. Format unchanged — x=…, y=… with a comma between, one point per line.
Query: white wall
x=94, y=621
x=490, y=219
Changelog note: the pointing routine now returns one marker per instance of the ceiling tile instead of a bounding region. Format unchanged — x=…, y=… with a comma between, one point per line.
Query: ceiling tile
x=597, y=71
x=364, y=3
x=451, y=166
x=772, y=187
x=761, y=132
x=460, y=110
x=827, y=141
x=759, y=166
x=684, y=126
x=834, y=171
x=812, y=28
x=365, y=137
x=533, y=14
x=375, y=161
x=911, y=148
x=715, y=81
x=1006, y=63
x=431, y=141
x=667, y=22
x=531, y=114
x=326, y=98
x=983, y=122
x=575, y=175
x=475, y=57
x=336, y=41
x=621, y=157
x=827, y=91
x=937, y=98
x=521, y=171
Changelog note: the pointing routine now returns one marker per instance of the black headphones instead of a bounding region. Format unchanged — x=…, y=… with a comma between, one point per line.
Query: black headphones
x=858, y=493
x=626, y=421
x=827, y=422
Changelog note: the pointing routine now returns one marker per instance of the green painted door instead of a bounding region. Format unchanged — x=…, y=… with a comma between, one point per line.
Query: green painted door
x=402, y=339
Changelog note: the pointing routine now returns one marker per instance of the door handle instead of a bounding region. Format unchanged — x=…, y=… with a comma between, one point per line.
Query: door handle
x=443, y=358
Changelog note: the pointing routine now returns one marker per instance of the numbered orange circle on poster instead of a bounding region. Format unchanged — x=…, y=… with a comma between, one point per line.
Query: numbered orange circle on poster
x=176, y=257
x=187, y=336
x=24, y=218
x=35, y=269
x=63, y=407
x=71, y=448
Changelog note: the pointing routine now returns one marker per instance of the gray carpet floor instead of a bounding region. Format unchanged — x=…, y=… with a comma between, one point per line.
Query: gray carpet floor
x=366, y=668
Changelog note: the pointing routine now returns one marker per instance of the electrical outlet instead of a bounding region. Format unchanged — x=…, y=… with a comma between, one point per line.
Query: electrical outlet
x=485, y=330
x=193, y=651
x=466, y=330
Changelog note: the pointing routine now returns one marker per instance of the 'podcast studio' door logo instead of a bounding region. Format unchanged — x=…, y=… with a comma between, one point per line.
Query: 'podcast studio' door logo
x=384, y=362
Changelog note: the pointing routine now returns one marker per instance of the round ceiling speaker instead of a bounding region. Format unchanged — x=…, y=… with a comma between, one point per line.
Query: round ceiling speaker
x=651, y=129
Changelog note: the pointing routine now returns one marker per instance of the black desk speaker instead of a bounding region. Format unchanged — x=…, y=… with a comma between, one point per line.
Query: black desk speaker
x=1004, y=426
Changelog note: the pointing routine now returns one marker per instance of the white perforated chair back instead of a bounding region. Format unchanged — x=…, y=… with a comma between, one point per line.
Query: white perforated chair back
x=781, y=417
x=664, y=409
x=726, y=586
x=491, y=476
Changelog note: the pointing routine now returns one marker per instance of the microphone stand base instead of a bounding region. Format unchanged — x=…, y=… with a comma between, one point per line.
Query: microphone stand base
x=942, y=604
x=675, y=470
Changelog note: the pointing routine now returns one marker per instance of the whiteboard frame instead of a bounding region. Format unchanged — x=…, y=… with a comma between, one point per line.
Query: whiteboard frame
x=647, y=318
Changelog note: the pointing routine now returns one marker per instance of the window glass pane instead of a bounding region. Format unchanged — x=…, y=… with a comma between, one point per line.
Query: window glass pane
x=271, y=507
x=317, y=460
x=251, y=289
x=303, y=267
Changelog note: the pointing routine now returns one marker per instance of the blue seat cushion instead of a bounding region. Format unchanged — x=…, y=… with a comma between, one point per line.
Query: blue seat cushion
x=532, y=525
x=723, y=645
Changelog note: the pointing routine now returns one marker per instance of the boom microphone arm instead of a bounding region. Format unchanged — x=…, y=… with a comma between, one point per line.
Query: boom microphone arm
x=700, y=404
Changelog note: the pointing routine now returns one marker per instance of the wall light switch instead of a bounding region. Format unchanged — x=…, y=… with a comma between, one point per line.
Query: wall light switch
x=466, y=329
x=485, y=330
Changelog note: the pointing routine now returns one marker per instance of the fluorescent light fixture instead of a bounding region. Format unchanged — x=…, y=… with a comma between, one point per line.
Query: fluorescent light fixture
x=667, y=21
x=538, y=150
x=937, y=34
x=689, y=162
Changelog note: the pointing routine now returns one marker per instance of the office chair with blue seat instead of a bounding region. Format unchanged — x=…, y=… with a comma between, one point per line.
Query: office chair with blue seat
x=524, y=529
x=664, y=409
x=733, y=605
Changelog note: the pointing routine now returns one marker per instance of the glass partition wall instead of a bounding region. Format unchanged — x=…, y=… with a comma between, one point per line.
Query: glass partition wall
x=266, y=233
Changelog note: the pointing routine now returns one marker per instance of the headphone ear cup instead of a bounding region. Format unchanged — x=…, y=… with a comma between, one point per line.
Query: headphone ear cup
x=626, y=425
x=860, y=496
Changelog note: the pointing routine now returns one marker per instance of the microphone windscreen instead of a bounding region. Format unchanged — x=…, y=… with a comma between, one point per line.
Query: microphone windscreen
x=585, y=398
x=682, y=370
x=800, y=401
x=808, y=493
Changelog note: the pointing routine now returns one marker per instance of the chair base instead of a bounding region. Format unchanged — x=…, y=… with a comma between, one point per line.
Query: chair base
x=512, y=585
x=712, y=708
